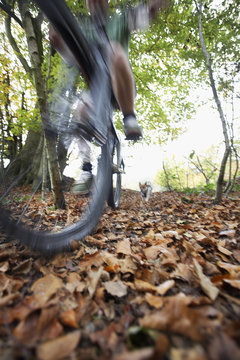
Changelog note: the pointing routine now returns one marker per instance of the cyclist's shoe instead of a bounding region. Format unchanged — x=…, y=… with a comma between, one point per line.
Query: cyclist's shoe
x=131, y=128
x=83, y=185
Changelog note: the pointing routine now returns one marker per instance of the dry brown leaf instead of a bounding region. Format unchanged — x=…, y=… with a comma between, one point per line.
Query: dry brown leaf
x=8, y=299
x=236, y=254
x=163, y=288
x=68, y=318
x=59, y=260
x=90, y=260
x=24, y=267
x=233, y=270
x=176, y=317
x=224, y=251
x=59, y=348
x=152, y=252
x=25, y=332
x=154, y=301
x=74, y=283
x=195, y=353
x=233, y=283
x=45, y=287
x=4, y=266
x=93, y=279
x=229, y=233
x=116, y=288
x=182, y=271
x=124, y=247
x=171, y=234
x=143, y=354
x=207, y=286
x=141, y=285
x=119, y=265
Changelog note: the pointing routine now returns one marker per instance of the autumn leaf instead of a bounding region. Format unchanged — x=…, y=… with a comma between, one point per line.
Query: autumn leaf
x=116, y=288
x=59, y=348
x=205, y=283
x=45, y=287
x=155, y=280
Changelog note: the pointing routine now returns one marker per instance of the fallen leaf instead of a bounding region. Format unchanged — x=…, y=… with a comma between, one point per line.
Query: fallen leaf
x=233, y=283
x=141, y=285
x=143, y=354
x=4, y=266
x=124, y=247
x=59, y=348
x=176, y=317
x=116, y=288
x=24, y=267
x=74, y=283
x=93, y=279
x=224, y=250
x=207, y=286
x=228, y=233
x=45, y=287
x=68, y=318
x=163, y=288
x=154, y=301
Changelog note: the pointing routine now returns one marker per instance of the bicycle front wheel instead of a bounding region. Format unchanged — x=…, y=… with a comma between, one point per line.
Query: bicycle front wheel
x=35, y=221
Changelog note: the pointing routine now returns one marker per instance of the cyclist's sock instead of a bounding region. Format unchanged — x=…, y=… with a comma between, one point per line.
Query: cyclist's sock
x=87, y=167
x=127, y=115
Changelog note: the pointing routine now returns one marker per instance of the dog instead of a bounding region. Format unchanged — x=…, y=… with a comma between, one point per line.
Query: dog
x=145, y=190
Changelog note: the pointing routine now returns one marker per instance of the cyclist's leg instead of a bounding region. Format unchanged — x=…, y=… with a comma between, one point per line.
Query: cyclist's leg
x=124, y=90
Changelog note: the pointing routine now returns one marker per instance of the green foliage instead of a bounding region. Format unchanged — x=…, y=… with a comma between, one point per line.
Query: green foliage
x=205, y=189
x=195, y=174
x=167, y=61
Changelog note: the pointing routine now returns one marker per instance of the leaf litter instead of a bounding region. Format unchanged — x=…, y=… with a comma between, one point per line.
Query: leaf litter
x=159, y=280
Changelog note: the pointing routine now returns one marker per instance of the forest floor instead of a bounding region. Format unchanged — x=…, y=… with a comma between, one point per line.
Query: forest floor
x=159, y=280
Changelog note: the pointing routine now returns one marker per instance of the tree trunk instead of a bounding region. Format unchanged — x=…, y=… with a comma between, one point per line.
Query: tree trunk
x=166, y=176
x=220, y=180
x=219, y=187
x=29, y=158
x=34, y=40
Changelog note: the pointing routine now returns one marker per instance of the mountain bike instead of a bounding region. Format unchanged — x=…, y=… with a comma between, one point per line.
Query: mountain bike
x=30, y=223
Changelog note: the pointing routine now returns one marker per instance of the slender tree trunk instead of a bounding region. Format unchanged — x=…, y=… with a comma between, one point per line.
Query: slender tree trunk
x=219, y=188
x=35, y=50
x=220, y=180
x=166, y=177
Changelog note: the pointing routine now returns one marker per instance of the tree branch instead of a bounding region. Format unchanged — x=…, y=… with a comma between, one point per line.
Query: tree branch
x=15, y=47
x=7, y=9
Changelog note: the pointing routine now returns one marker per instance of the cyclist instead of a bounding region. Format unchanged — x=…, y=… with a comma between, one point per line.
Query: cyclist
x=119, y=28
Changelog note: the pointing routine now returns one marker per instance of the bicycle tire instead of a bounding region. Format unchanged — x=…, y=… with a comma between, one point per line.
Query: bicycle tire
x=52, y=243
